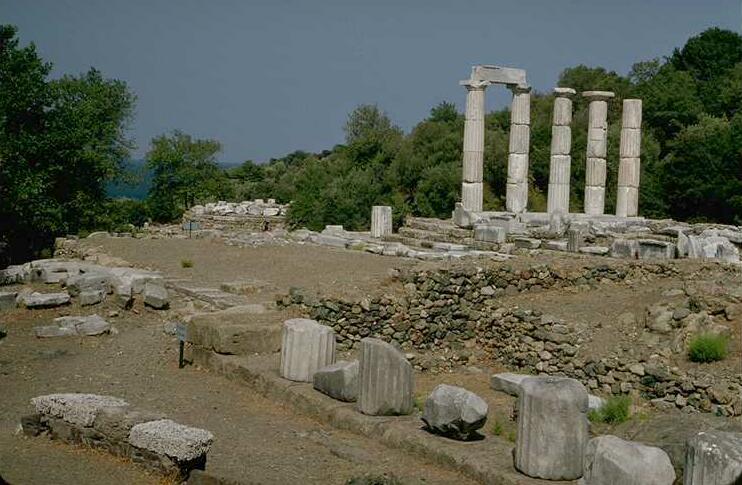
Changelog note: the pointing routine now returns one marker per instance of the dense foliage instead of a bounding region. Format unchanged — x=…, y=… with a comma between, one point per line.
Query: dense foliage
x=691, y=148
x=60, y=142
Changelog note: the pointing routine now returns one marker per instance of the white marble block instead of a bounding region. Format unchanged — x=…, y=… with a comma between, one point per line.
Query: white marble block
x=517, y=167
x=381, y=221
x=472, y=196
x=627, y=201
x=552, y=428
x=561, y=140
x=609, y=460
x=473, y=148
x=558, y=199
x=559, y=169
x=386, y=383
x=594, y=201
x=713, y=458
x=631, y=117
x=562, y=107
x=631, y=142
x=597, y=114
x=516, y=197
x=520, y=109
x=595, y=172
x=520, y=138
x=306, y=347
x=473, y=170
x=629, y=172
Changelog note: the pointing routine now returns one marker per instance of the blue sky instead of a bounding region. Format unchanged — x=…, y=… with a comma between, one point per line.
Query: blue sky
x=269, y=77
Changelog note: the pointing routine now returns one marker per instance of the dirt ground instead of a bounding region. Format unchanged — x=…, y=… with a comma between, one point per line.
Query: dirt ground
x=256, y=441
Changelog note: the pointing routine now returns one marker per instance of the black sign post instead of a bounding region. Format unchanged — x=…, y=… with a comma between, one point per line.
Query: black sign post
x=180, y=331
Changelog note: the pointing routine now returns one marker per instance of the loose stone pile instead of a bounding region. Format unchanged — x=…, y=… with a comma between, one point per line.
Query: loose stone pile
x=458, y=309
x=254, y=215
x=113, y=425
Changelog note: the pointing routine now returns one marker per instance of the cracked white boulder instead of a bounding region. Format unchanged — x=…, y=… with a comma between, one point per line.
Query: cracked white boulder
x=609, y=460
x=455, y=412
x=79, y=409
x=179, y=442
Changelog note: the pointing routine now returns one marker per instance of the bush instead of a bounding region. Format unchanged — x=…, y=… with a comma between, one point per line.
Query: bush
x=708, y=347
x=186, y=263
x=615, y=410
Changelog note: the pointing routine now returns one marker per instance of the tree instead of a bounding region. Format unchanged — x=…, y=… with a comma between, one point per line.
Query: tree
x=370, y=136
x=184, y=171
x=60, y=143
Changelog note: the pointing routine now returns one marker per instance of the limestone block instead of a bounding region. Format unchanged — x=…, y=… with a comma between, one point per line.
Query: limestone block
x=386, y=381
x=562, y=111
x=595, y=172
x=597, y=148
x=44, y=300
x=654, y=249
x=88, y=281
x=381, y=221
x=508, y=382
x=527, y=242
x=598, y=115
x=489, y=233
x=472, y=196
x=156, y=295
x=473, y=170
x=559, y=169
x=683, y=245
x=552, y=428
x=517, y=167
x=631, y=116
x=594, y=200
x=91, y=297
x=306, y=346
x=14, y=274
x=609, y=460
x=713, y=457
x=7, y=300
x=629, y=172
x=558, y=199
x=520, y=109
x=116, y=422
x=475, y=102
x=631, y=143
x=625, y=248
x=575, y=239
x=555, y=245
x=473, y=146
x=455, y=412
x=236, y=331
x=561, y=140
x=179, y=442
x=627, y=201
x=87, y=326
x=78, y=409
x=338, y=380
x=595, y=250
x=516, y=197
x=123, y=296
x=520, y=138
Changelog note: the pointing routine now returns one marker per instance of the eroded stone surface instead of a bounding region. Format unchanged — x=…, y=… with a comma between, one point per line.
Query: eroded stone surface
x=338, y=380
x=609, y=460
x=78, y=409
x=306, y=347
x=44, y=300
x=155, y=295
x=713, y=457
x=180, y=442
x=454, y=411
x=386, y=381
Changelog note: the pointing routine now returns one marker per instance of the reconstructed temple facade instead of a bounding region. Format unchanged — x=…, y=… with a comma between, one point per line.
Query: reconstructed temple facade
x=516, y=197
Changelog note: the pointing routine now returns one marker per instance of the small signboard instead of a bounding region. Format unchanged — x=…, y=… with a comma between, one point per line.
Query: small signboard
x=181, y=332
x=191, y=226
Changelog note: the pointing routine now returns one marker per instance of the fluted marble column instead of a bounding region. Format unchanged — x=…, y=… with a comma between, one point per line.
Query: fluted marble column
x=629, y=168
x=561, y=149
x=473, y=151
x=597, y=144
x=516, y=196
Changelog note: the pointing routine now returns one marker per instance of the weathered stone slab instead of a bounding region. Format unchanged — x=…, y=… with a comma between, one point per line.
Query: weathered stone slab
x=338, y=380
x=123, y=296
x=7, y=300
x=91, y=297
x=596, y=250
x=44, y=300
x=508, y=382
x=156, y=295
x=654, y=249
x=179, y=442
x=714, y=457
x=306, y=347
x=381, y=221
x=386, y=381
x=89, y=282
x=13, y=275
x=135, y=278
x=83, y=326
x=575, y=239
x=552, y=428
x=78, y=409
x=609, y=460
x=236, y=331
x=116, y=422
x=527, y=242
x=625, y=248
x=489, y=233
x=454, y=412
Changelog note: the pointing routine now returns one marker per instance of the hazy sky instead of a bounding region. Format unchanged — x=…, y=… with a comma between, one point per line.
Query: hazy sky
x=269, y=77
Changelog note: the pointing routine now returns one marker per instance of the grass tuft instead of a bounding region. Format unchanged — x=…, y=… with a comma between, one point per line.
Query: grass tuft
x=708, y=347
x=186, y=263
x=497, y=428
x=616, y=409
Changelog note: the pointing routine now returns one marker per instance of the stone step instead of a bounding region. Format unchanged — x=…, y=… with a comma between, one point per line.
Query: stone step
x=427, y=235
x=431, y=245
x=437, y=225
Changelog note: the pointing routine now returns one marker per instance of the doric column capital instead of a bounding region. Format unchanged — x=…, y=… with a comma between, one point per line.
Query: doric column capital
x=474, y=85
x=598, y=95
x=560, y=92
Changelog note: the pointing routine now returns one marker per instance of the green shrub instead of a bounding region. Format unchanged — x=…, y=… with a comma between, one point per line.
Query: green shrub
x=497, y=428
x=615, y=410
x=708, y=347
x=186, y=263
